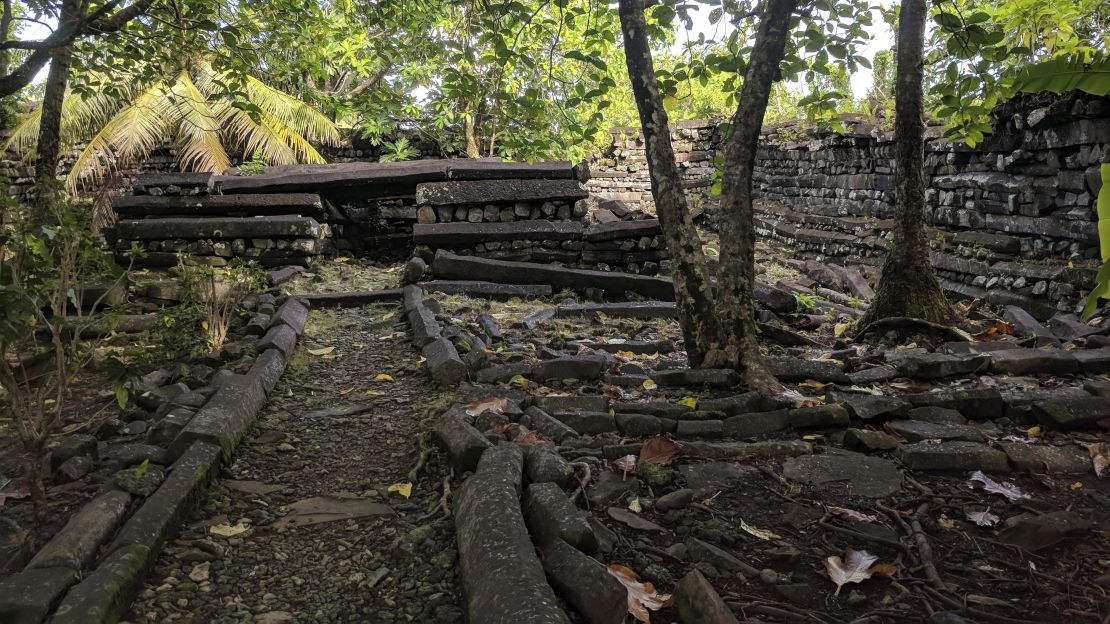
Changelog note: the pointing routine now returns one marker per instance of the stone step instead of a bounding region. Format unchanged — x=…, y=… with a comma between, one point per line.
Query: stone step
x=487, y=191
x=280, y=226
x=160, y=206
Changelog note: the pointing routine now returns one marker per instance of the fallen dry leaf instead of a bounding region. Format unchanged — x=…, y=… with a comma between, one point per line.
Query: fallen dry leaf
x=404, y=489
x=659, y=450
x=534, y=438
x=763, y=534
x=1100, y=458
x=850, y=514
x=497, y=405
x=983, y=518
x=612, y=391
x=625, y=464
x=642, y=597
x=689, y=401
x=383, y=377
x=321, y=351
x=994, y=332
x=649, y=384
x=1009, y=490
x=855, y=567
x=226, y=530
x=909, y=387
x=199, y=573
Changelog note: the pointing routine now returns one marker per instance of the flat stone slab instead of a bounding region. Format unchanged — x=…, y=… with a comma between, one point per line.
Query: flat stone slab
x=1093, y=361
x=193, y=181
x=1033, y=362
x=352, y=299
x=634, y=309
x=75, y=546
x=850, y=473
x=1040, y=458
x=160, y=206
x=457, y=192
x=27, y=597
x=622, y=229
x=463, y=234
x=917, y=431
x=976, y=404
x=953, y=456
x=486, y=168
x=745, y=450
x=220, y=228
x=708, y=377
x=450, y=266
x=363, y=180
x=939, y=365
x=1072, y=412
x=798, y=369
x=487, y=290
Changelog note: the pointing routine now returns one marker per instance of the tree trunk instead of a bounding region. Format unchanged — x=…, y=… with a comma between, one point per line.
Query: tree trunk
x=736, y=277
x=693, y=295
x=908, y=286
x=5, y=34
x=471, y=136
x=47, y=190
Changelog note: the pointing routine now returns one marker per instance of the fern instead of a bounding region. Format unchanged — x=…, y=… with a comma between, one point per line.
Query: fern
x=1066, y=73
x=1102, y=280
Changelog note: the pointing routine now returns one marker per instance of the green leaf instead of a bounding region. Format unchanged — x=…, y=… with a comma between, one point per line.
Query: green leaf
x=121, y=396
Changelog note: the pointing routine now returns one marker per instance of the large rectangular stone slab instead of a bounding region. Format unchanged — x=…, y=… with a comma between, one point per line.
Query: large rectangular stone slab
x=488, y=290
x=464, y=234
x=1072, y=412
x=198, y=182
x=953, y=456
x=161, y=206
x=74, y=547
x=222, y=228
x=162, y=513
x=450, y=266
x=631, y=309
x=104, y=595
x=495, y=168
x=502, y=578
x=1033, y=362
x=585, y=584
x=27, y=597
x=498, y=191
x=551, y=516
x=352, y=299
x=225, y=417
x=622, y=229
x=364, y=180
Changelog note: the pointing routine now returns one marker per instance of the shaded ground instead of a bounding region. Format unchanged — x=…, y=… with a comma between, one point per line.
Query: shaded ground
x=394, y=567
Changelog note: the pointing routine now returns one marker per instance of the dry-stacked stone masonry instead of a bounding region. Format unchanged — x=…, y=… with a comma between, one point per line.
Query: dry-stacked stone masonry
x=1013, y=218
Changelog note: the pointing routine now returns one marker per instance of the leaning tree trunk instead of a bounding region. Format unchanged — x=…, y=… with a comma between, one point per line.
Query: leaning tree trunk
x=693, y=295
x=736, y=277
x=50, y=135
x=908, y=286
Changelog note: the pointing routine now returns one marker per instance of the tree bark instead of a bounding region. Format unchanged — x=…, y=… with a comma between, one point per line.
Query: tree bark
x=693, y=294
x=5, y=33
x=908, y=286
x=736, y=278
x=50, y=123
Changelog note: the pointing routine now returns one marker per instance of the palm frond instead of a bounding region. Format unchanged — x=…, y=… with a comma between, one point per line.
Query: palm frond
x=250, y=136
x=198, y=128
x=80, y=117
x=129, y=135
x=293, y=113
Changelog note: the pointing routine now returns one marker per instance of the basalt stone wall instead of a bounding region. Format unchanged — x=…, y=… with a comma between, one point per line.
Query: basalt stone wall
x=1013, y=218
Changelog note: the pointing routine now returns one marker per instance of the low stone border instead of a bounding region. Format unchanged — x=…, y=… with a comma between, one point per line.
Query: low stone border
x=80, y=582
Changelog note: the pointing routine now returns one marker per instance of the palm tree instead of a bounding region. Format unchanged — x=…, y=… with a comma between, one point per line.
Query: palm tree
x=183, y=111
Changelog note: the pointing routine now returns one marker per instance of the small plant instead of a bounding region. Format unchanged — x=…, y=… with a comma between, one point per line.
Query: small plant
x=48, y=255
x=806, y=301
x=1101, y=288
x=398, y=150
x=216, y=294
x=254, y=166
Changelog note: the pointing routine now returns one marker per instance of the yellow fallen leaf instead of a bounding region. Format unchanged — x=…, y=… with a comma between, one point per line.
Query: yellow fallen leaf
x=1034, y=431
x=689, y=401
x=357, y=345
x=346, y=392
x=635, y=506
x=342, y=259
x=812, y=383
x=518, y=380
x=204, y=325
x=603, y=316
x=374, y=393
x=383, y=377
x=404, y=489
x=321, y=351
x=840, y=328
x=649, y=384
x=946, y=522
x=226, y=530
x=627, y=355
x=1078, y=485
x=763, y=534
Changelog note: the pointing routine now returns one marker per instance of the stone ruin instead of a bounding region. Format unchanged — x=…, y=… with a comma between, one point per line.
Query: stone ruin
x=1012, y=220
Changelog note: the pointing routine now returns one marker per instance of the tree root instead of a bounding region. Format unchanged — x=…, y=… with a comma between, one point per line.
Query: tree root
x=583, y=482
x=422, y=461
x=902, y=322
x=442, y=502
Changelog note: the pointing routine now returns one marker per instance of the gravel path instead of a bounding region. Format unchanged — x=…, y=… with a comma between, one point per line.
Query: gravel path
x=394, y=567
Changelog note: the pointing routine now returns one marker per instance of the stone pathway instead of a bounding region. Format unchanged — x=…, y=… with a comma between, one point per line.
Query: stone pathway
x=321, y=435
